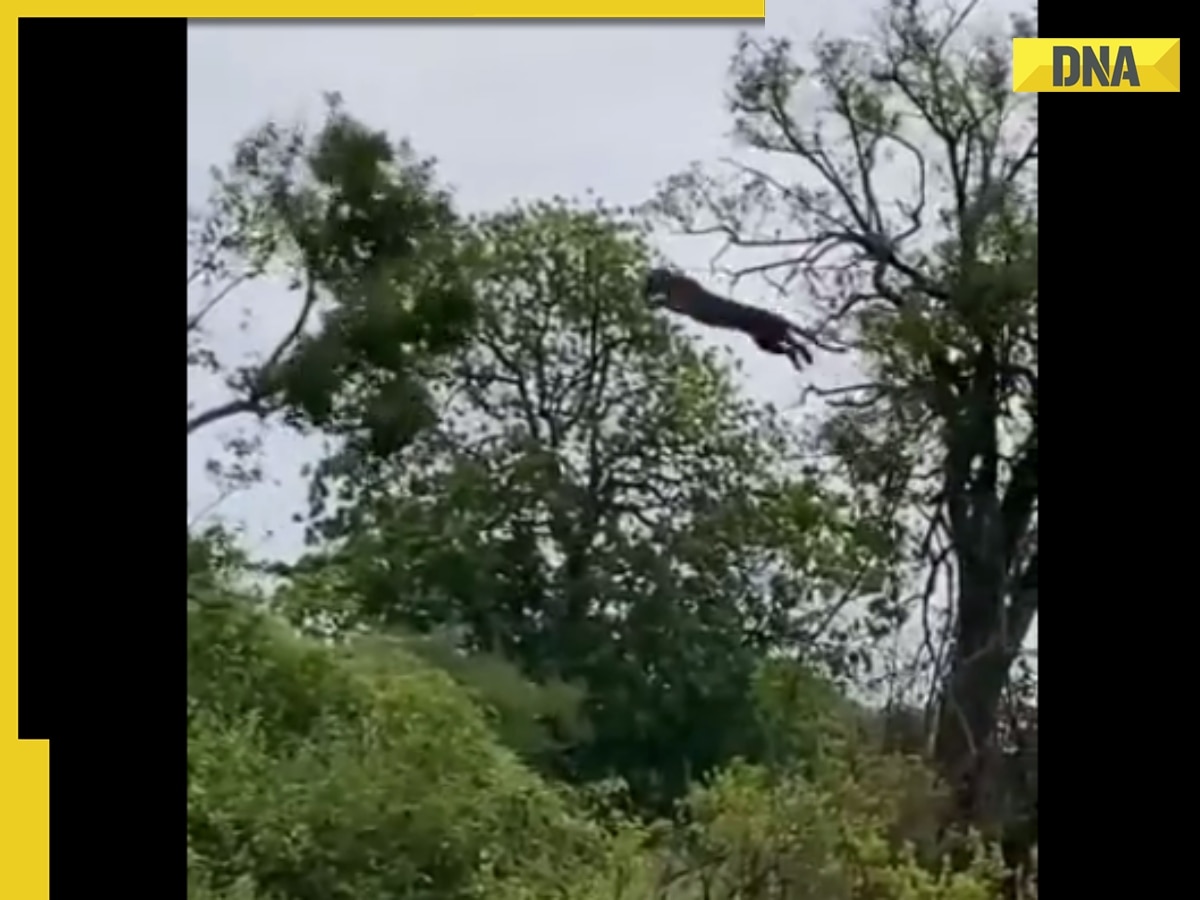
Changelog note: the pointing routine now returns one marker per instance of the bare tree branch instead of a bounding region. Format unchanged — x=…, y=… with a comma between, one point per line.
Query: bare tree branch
x=259, y=385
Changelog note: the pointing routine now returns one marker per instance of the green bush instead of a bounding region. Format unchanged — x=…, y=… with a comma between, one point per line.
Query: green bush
x=363, y=772
x=316, y=776
x=844, y=833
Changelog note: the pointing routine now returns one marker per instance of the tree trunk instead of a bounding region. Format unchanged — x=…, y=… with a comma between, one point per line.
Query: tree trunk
x=992, y=625
x=967, y=721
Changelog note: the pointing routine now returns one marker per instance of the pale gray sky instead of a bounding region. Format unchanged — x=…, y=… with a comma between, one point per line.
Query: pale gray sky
x=511, y=111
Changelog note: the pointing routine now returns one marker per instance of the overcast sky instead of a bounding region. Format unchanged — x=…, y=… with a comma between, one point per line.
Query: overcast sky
x=511, y=111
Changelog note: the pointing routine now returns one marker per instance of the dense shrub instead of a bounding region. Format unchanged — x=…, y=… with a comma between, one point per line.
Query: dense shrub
x=313, y=775
x=364, y=772
x=846, y=834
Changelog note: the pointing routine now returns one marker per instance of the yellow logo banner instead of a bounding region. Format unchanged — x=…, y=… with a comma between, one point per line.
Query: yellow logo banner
x=1062, y=65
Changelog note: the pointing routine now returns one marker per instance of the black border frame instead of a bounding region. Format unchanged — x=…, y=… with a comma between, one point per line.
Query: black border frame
x=1111, y=249
x=101, y=121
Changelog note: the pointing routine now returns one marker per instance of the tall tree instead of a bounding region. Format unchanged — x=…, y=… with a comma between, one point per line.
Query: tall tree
x=355, y=229
x=892, y=185
x=599, y=505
